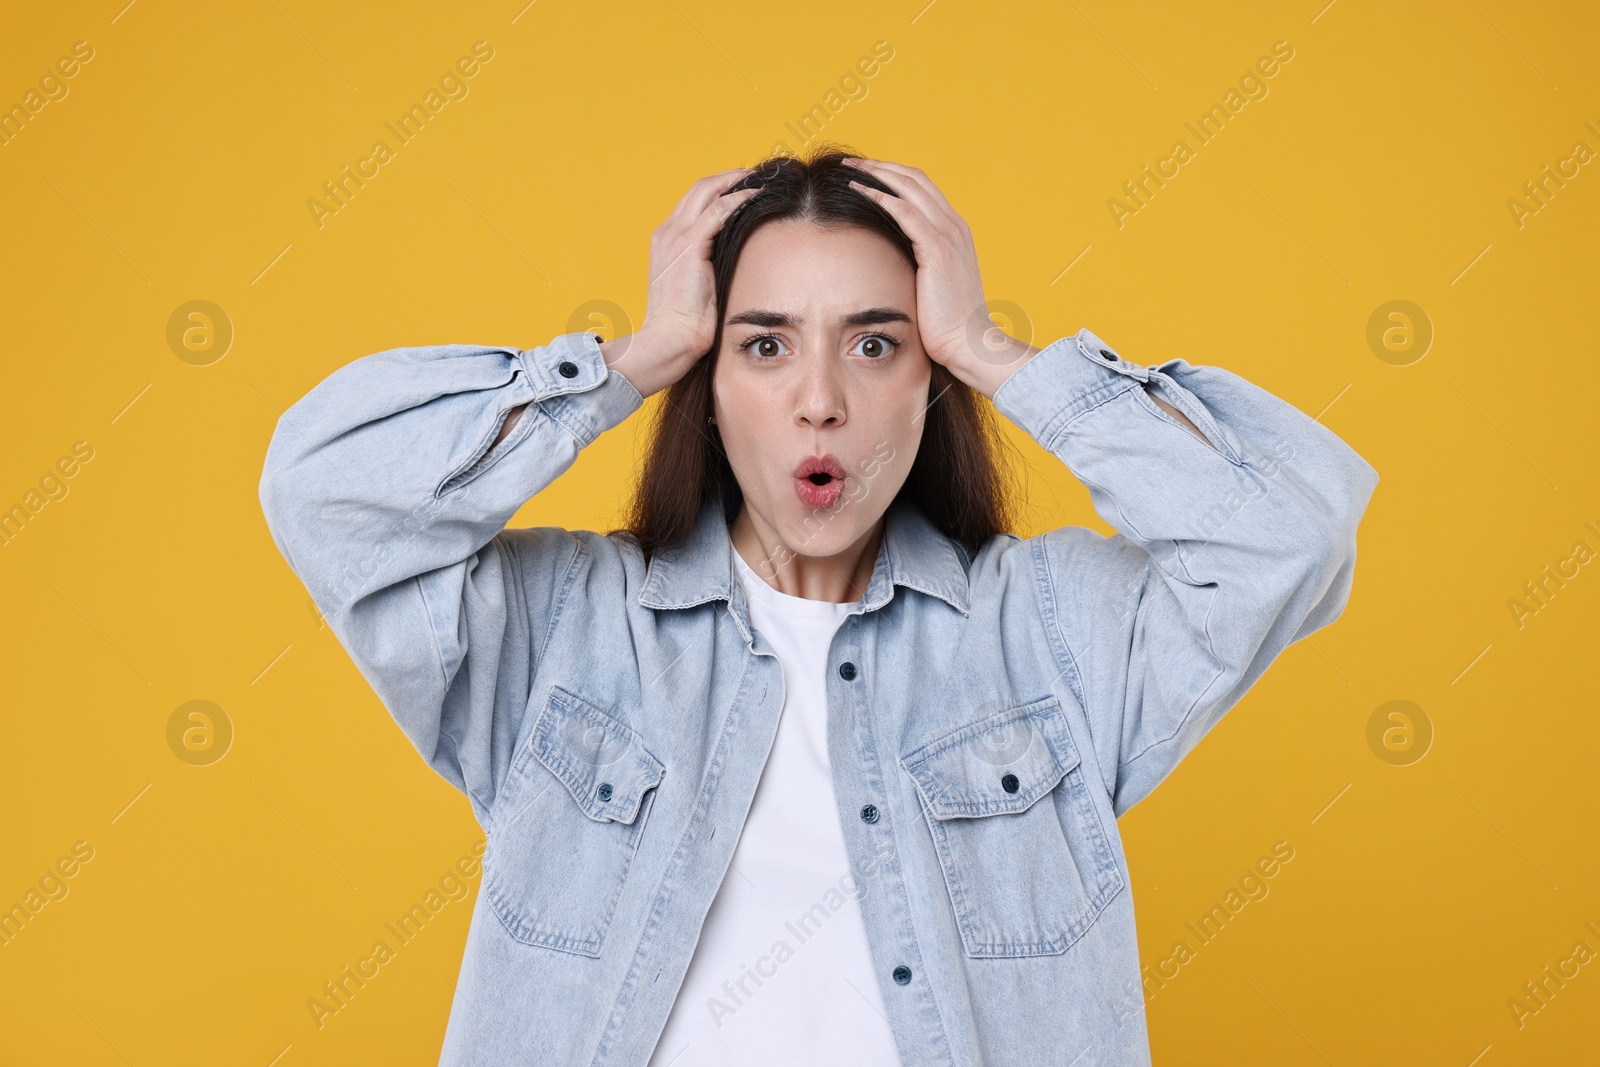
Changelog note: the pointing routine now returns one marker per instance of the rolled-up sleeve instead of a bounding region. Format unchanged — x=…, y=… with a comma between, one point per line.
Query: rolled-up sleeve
x=382, y=491
x=1226, y=553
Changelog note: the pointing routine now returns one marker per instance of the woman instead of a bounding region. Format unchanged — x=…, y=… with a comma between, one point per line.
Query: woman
x=814, y=762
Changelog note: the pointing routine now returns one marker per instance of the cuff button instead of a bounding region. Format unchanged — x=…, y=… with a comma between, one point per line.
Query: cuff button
x=568, y=369
x=1107, y=354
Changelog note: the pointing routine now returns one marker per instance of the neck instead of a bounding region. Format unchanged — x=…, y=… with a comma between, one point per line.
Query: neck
x=841, y=578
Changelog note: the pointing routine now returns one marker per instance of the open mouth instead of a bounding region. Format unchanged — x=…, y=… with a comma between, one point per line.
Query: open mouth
x=819, y=481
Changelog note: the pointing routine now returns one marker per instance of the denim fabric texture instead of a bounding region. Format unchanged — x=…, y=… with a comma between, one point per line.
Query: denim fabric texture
x=991, y=715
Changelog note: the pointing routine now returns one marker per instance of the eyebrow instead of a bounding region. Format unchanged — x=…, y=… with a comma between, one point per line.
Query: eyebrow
x=869, y=317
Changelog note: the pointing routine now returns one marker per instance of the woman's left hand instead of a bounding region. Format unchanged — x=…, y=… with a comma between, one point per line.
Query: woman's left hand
x=952, y=314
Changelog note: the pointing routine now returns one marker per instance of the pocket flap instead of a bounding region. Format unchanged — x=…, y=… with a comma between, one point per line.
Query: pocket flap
x=966, y=773
x=602, y=762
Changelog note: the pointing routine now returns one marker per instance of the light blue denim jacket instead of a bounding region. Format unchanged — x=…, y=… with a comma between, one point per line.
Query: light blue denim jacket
x=989, y=716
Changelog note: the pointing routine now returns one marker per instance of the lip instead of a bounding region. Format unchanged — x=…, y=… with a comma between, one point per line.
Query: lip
x=823, y=464
x=814, y=496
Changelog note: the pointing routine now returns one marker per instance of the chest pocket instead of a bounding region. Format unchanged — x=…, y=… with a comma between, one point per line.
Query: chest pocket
x=1027, y=860
x=576, y=801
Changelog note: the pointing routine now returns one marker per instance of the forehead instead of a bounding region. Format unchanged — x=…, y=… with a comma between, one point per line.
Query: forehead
x=798, y=266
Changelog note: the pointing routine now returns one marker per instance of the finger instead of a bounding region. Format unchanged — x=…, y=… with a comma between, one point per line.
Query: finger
x=704, y=191
x=898, y=208
x=912, y=217
x=707, y=225
x=716, y=213
x=925, y=236
x=916, y=186
x=923, y=182
x=913, y=184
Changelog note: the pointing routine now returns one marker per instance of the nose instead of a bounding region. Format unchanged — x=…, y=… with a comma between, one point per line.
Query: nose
x=820, y=401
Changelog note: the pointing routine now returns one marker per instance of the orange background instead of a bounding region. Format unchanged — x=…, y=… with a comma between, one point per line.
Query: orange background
x=1422, y=893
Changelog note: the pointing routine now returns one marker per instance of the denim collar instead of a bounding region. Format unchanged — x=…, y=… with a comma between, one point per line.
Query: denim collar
x=913, y=552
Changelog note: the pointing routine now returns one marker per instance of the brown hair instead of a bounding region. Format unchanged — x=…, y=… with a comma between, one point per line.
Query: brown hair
x=958, y=478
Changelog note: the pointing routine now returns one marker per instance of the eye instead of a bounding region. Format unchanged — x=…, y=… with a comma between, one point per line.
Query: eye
x=764, y=346
x=877, y=345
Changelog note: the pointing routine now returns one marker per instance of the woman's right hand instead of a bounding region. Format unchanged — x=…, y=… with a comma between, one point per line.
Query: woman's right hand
x=680, y=319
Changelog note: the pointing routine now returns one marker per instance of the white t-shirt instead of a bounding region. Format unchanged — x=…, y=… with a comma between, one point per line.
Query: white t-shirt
x=781, y=975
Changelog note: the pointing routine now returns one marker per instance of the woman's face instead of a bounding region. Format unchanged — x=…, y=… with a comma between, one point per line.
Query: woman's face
x=820, y=357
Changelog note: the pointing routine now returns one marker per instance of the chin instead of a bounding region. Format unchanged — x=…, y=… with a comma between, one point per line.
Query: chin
x=826, y=533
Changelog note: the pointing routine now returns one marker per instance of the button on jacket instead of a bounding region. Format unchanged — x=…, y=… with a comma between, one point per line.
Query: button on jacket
x=990, y=715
